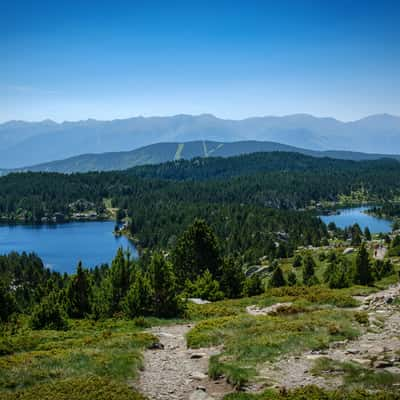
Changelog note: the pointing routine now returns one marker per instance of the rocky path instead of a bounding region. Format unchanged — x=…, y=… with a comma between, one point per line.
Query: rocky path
x=380, y=253
x=174, y=372
x=377, y=348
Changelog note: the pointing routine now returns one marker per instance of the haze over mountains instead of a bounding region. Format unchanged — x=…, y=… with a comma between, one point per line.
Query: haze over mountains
x=28, y=143
x=163, y=152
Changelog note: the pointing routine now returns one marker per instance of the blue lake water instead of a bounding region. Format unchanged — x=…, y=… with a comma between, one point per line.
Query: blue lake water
x=62, y=246
x=350, y=216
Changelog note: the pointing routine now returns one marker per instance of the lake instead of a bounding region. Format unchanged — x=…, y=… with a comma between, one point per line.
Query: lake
x=350, y=216
x=62, y=246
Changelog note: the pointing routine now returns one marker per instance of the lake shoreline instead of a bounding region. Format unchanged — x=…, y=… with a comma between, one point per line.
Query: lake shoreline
x=62, y=246
x=349, y=216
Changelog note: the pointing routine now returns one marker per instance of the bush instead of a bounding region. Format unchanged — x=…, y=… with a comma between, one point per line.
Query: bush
x=6, y=347
x=292, y=279
x=277, y=278
x=253, y=286
x=76, y=389
x=7, y=303
x=298, y=261
x=139, y=299
x=315, y=393
x=49, y=314
x=309, y=267
x=204, y=287
x=232, y=278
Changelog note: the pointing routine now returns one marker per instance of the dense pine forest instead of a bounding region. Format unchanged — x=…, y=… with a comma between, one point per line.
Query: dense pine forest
x=248, y=200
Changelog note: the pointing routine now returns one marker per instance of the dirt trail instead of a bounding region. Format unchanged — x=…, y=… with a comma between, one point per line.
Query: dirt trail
x=178, y=373
x=377, y=348
x=380, y=253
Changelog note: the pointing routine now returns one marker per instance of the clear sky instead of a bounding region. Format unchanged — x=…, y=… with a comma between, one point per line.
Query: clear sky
x=69, y=60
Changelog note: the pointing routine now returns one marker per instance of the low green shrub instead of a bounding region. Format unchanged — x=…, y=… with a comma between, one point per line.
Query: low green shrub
x=315, y=393
x=357, y=376
x=49, y=314
x=236, y=375
x=86, y=388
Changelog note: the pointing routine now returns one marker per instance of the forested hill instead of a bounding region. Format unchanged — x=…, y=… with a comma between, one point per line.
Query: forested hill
x=247, y=199
x=256, y=163
x=163, y=152
x=287, y=180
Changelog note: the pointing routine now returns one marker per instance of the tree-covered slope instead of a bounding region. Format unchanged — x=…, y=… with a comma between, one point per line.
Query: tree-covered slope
x=163, y=152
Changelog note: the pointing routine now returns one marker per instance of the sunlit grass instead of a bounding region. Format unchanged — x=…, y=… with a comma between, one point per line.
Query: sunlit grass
x=111, y=350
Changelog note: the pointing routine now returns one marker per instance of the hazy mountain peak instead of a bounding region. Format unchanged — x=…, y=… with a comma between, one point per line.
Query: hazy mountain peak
x=29, y=143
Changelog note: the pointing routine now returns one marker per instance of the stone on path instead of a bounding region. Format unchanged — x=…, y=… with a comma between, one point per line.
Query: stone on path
x=175, y=372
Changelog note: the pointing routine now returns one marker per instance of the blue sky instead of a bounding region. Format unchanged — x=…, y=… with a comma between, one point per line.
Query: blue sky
x=69, y=60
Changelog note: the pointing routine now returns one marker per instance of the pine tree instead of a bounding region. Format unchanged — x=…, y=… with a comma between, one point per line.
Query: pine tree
x=363, y=273
x=8, y=303
x=166, y=301
x=78, y=294
x=292, y=279
x=49, y=314
x=356, y=234
x=139, y=300
x=338, y=274
x=309, y=277
x=232, y=278
x=297, y=261
x=367, y=233
x=277, y=278
x=119, y=276
x=196, y=250
x=204, y=287
x=253, y=286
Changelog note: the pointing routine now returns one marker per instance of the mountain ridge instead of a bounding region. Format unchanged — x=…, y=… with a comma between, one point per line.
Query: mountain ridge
x=30, y=143
x=170, y=151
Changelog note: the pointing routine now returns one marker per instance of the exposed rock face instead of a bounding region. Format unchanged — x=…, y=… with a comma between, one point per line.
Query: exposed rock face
x=271, y=310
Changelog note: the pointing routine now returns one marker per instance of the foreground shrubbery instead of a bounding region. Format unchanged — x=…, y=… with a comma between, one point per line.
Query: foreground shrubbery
x=87, y=388
x=111, y=350
x=355, y=375
x=315, y=393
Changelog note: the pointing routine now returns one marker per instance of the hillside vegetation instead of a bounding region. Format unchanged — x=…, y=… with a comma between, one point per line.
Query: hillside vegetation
x=163, y=152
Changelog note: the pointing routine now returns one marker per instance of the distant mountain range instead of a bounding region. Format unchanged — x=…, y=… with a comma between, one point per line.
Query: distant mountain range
x=163, y=152
x=30, y=143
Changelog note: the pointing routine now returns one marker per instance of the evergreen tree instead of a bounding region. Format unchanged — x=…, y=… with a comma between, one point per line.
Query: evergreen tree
x=277, y=278
x=139, y=300
x=102, y=299
x=297, y=261
x=166, y=301
x=78, y=294
x=363, y=273
x=395, y=242
x=204, y=287
x=356, y=234
x=382, y=269
x=120, y=274
x=309, y=277
x=196, y=250
x=232, y=278
x=292, y=279
x=49, y=314
x=253, y=286
x=338, y=274
x=367, y=233
x=8, y=303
